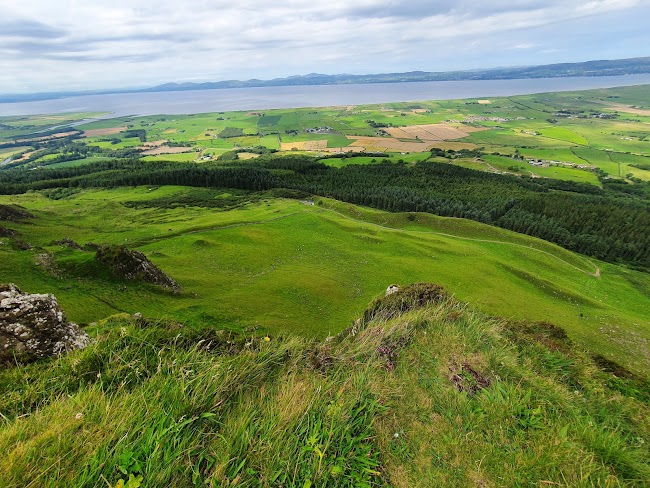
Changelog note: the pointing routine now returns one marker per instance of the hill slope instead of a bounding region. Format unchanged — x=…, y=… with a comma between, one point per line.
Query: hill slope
x=423, y=391
x=254, y=260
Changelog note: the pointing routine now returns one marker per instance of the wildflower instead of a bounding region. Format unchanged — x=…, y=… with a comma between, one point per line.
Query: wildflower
x=267, y=338
x=396, y=435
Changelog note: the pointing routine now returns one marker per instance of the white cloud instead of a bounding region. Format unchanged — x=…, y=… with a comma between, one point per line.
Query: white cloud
x=79, y=44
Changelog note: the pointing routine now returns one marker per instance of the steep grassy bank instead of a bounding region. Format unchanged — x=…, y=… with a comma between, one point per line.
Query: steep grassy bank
x=423, y=391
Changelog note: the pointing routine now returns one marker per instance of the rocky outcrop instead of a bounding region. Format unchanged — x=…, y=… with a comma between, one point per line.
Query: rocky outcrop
x=67, y=242
x=35, y=326
x=4, y=232
x=396, y=301
x=14, y=213
x=133, y=265
x=401, y=300
x=20, y=245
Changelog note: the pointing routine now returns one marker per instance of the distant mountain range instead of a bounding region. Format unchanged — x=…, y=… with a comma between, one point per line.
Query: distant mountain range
x=588, y=68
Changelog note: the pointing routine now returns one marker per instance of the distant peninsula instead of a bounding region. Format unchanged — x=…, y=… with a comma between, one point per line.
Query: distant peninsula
x=589, y=68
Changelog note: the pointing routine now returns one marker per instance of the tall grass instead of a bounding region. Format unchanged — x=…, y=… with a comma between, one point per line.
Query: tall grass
x=423, y=391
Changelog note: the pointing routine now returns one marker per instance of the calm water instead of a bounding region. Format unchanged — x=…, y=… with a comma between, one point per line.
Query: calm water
x=308, y=96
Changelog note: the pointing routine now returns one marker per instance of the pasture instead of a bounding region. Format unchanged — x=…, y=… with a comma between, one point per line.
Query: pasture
x=607, y=130
x=252, y=260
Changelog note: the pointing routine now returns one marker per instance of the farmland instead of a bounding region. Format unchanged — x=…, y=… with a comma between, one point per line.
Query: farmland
x=576, y=136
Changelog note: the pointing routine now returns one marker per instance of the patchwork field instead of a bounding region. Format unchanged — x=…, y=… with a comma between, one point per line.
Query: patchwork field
x=605, y=130
x=103, y=132
x=279, y=359
x=166, y=150
x=429, y=132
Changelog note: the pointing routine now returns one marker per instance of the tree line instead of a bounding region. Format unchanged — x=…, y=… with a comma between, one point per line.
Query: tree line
x=609, y=223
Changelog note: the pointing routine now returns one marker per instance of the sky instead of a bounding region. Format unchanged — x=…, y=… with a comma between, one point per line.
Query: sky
x=71, y=45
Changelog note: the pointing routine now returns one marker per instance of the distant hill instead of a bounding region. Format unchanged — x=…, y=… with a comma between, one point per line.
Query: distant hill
x=588, y=68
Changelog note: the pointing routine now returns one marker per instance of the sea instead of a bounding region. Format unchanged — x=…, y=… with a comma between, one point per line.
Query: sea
x=264, y=98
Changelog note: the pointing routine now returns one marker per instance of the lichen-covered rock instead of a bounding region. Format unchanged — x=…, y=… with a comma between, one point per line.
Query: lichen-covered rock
x=33, y=326
x=392, y=289
x=133, y=265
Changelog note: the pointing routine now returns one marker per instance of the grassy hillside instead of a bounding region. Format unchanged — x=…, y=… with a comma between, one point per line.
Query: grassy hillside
x=284, y=266
x=423, y=391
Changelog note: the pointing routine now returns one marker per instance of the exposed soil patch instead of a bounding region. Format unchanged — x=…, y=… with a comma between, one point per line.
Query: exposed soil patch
x=466, y=378
x=103, y=132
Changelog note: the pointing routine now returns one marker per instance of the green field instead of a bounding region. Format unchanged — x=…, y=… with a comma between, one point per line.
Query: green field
x=509, y=165
x=303, y=269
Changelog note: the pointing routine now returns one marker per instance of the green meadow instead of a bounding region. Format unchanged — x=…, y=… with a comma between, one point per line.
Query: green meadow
x=285, y=266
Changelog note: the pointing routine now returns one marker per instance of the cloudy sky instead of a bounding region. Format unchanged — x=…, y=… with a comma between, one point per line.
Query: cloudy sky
x=51, y=45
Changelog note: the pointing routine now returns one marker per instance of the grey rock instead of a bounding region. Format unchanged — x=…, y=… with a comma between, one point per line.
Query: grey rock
x=392, y=289
x=133, y=265
x=33, y=326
